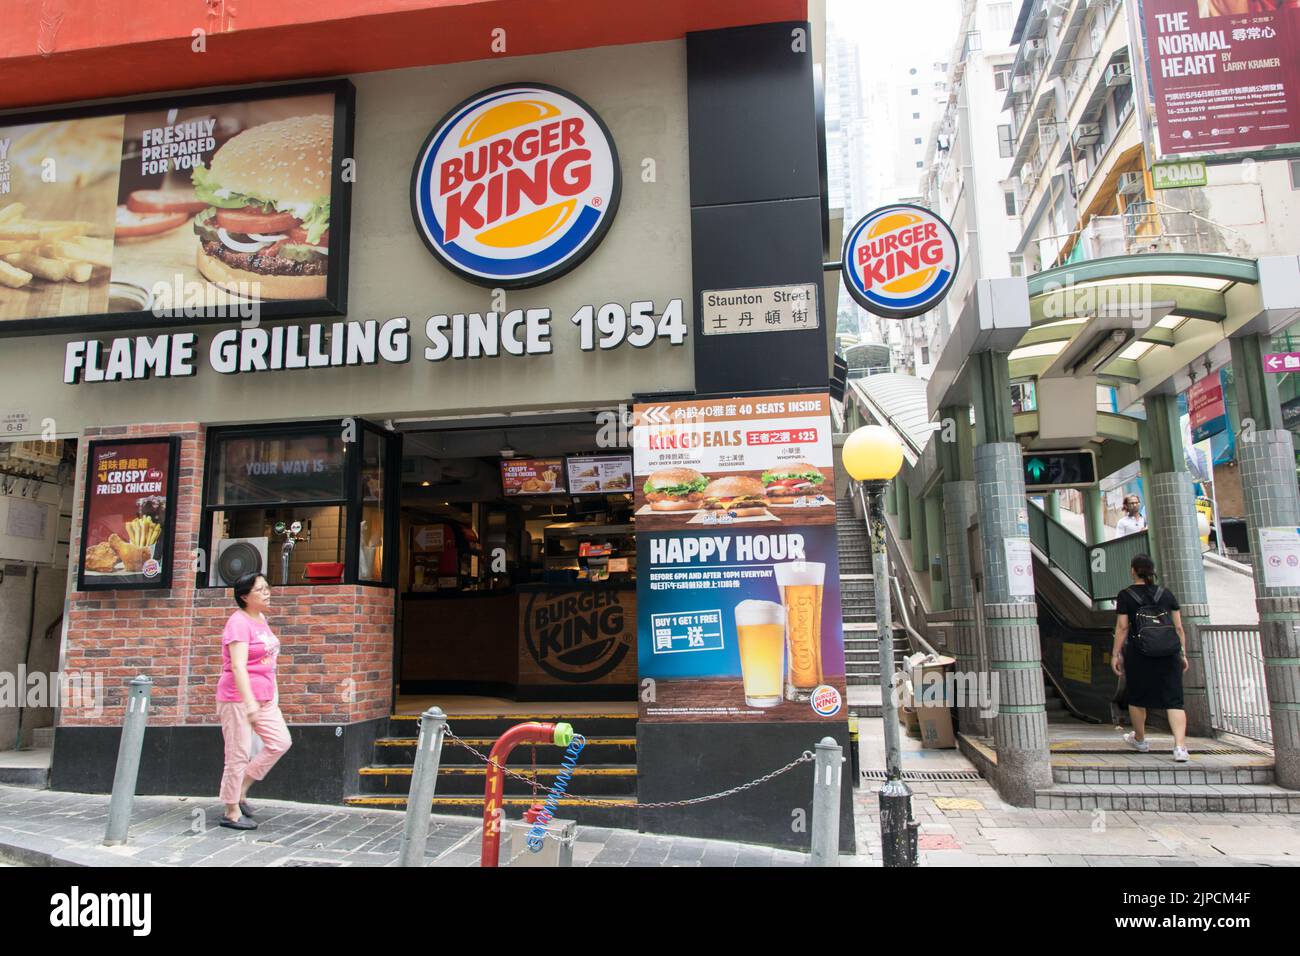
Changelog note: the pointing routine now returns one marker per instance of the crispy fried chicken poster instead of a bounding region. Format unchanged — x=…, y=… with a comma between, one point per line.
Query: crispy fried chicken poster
x=127, y=527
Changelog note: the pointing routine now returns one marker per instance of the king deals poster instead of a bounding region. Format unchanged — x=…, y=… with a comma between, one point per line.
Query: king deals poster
x=738, y=598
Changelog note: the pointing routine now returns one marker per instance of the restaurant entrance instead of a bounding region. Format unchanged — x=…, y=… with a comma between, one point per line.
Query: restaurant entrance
x=517, y=577
x=516, y=602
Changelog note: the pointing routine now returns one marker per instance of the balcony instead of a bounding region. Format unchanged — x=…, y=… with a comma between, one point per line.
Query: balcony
x=1144, y=227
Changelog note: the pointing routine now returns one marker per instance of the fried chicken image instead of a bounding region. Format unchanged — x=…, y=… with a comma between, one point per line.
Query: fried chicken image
x=133, y=556
x=101, y=557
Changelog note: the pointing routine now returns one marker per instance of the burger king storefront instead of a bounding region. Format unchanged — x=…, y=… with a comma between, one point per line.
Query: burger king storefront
x=382, y=336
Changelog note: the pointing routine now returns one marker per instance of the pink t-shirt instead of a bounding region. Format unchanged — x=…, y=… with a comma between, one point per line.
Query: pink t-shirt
x=263, y=646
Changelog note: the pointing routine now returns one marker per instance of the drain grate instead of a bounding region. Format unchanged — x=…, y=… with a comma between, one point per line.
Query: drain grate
x=926, y=775
x=304, y=861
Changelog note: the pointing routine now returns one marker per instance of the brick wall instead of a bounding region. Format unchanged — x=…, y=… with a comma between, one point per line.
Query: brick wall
x=337, y=641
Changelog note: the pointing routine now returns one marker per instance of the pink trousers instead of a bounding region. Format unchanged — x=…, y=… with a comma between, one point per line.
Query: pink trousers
x=269, y=724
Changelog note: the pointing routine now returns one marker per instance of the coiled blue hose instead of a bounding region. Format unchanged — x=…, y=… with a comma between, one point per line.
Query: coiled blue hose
x=537, y=835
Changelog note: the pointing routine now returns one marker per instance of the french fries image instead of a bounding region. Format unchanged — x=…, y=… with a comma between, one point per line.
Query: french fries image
x=56, y=250
x=13, y=277
x=143, y=532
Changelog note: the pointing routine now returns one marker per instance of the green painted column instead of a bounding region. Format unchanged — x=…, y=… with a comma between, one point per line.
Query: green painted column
x=917, y=506
x=1053, y=502
x=904, y=512
x=1266, y=454
x=934, y=545
x=1256, y=389
x=891, y=497
x=1171, y=512
x=991, y=394
x=1094, y=515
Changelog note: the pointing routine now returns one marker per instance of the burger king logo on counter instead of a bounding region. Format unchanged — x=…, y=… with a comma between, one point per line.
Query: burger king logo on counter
x=516, y=185
x=899, y=261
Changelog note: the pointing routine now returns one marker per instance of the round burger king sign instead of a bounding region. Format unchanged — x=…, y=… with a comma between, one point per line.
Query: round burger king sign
x=516, y=185
x=899, y=261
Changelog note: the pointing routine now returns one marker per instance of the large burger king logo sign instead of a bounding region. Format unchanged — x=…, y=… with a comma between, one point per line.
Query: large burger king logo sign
x=899, y=261
x=516, y=185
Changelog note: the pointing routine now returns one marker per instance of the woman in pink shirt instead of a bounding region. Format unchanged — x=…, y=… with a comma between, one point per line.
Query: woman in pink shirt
x=247, y=701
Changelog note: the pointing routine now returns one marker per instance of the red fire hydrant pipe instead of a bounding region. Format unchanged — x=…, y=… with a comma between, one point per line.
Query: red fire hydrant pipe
x=494, y=789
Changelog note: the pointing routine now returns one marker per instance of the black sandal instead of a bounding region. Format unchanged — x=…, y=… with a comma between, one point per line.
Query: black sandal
x=243, y=823
x=246, y=809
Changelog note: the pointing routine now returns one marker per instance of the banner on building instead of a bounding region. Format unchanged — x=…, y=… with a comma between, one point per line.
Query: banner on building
x=1205, y=407
x=129, y=515
x=1223, y=74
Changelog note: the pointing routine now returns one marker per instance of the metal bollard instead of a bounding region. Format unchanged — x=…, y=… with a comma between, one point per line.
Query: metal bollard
x=424, y=779
x=826, y=803
x=128, y=761
x=899, y=833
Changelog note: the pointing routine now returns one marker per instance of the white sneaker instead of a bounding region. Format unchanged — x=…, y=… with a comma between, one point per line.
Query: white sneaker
x=1141, y=746
x=1180, y=754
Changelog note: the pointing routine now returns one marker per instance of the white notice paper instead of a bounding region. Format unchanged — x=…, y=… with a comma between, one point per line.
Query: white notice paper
x=1280, y=551
x=1020, y=567
x=26, y=519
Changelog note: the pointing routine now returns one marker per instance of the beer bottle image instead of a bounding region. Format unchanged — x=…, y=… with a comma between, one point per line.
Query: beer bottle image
x=801, y=585
x=760, y=633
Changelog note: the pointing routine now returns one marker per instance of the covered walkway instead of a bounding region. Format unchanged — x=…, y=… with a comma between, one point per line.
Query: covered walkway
x=1086, y=363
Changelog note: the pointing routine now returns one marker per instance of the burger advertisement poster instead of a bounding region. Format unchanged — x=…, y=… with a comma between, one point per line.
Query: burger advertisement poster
x=738, y=600
x=199, y=208
x=743, y=462
x=128, y=515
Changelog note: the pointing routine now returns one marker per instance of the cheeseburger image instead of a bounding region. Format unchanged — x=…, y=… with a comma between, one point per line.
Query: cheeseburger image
x=787, y=483
x=675, y=489
x=268, y=215
x=737, y=495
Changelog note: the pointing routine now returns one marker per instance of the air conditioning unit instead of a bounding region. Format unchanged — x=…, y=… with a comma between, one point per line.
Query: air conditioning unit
x=1037, y=47
x=1118, y=74
x=1047, y=132
x=236, y=557
x=1085, y=134
x=1130, y=184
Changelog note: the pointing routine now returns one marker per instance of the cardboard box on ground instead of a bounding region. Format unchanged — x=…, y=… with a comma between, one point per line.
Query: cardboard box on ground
x=927, y=719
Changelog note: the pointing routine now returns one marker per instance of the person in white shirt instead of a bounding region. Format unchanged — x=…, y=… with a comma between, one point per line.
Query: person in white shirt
x=1132, y=521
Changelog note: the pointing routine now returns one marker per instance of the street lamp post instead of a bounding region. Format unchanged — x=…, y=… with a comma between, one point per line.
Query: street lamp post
x=873, y=456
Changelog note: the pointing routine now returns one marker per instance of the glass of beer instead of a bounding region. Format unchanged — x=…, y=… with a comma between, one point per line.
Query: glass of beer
x=801, y=585
x=760, y=630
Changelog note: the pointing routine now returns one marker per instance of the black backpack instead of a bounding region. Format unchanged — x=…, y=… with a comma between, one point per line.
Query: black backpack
x=1154, y=633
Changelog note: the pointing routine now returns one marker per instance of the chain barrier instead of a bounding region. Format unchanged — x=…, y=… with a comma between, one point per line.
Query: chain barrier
x=805, y=757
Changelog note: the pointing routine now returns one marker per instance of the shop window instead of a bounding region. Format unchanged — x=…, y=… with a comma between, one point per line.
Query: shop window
x=320, y=509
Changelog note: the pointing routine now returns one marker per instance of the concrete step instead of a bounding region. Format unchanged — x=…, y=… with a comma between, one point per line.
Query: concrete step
x=1163, y=772
x=1170, y=798
x=859, y=679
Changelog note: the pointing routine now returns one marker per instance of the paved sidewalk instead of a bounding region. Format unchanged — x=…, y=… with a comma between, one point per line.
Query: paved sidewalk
x=45, y=828
x=965, y=823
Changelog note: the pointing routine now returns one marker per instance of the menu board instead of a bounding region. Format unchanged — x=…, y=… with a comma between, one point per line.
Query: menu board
x=600, y=475
x=180, y=210
x=128, y=516
x=532, y=476
x=763, y=461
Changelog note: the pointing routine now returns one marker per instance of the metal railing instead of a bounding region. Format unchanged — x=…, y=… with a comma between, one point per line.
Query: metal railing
x=1099, y=570
x=1238, y=695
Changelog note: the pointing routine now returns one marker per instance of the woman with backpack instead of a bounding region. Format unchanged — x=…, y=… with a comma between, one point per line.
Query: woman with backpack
x=1149, y=654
